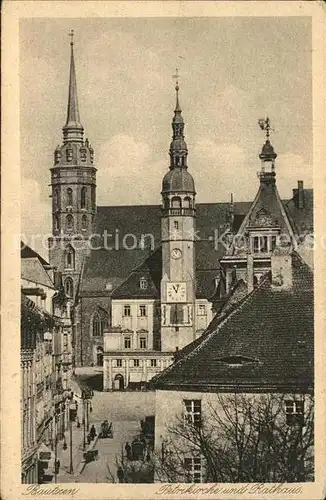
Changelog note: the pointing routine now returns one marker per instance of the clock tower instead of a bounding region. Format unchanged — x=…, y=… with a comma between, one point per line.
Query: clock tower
x=178, y=288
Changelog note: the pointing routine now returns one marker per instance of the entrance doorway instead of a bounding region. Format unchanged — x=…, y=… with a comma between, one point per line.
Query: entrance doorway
x=99, y=356
x=119, y=383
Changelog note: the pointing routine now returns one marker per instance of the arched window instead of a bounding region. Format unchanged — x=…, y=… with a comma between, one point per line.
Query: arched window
x=69, y=287
x=69, y=257
x=100, y=323
x=69, y=197
x=56, y=223
x=69, y=222
x=187, y=202
x=84, y=222
x=176, y=202
x=83, y=197
x=56, y=199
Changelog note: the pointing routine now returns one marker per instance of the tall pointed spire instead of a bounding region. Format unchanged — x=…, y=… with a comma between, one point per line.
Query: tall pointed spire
x=178, y=147
x=73, y=130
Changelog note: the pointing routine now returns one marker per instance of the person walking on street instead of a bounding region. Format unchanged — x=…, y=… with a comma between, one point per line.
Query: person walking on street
x=128, y=450
x=120, y=475
x=92, y=432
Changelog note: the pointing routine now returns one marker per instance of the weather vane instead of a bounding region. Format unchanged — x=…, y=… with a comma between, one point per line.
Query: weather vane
x=71, y=34
x=264, y=124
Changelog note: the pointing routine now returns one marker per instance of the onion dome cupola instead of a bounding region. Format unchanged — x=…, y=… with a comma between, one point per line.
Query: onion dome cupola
x=178, y=180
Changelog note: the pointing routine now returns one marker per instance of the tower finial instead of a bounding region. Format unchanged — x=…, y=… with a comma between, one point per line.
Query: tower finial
x=176, y=76
x=71, y=34
x=73, y=130
x=264, y=124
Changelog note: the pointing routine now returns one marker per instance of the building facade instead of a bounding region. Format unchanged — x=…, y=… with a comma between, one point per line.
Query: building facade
x=46, y=361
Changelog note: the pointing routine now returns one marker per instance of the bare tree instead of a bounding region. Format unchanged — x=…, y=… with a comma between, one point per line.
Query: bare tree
x=242, y=438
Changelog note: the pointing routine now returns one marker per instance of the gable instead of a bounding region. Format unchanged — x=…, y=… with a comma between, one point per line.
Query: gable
x=32, y=270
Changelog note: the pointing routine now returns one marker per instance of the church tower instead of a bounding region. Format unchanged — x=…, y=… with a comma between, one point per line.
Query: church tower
x=178, y=285
x=73, y=184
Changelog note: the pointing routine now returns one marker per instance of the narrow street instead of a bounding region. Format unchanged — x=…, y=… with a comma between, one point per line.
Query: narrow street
x=124, y=410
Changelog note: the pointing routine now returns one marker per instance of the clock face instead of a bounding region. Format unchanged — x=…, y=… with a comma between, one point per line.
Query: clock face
x=176, y=292
x=176, y=253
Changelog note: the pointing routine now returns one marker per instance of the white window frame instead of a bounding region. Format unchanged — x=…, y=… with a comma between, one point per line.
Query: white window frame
x=202, y=310
x=194, y=469
x=119, y=363
x=153, y=363
x=294, y=410
x=192, y=415
x=143, y=338
x=125, y=339
x=127, y=307
x=142, y=310
x=136, y=363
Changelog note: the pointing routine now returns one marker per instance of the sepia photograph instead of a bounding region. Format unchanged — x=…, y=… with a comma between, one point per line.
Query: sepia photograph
x=167, y=243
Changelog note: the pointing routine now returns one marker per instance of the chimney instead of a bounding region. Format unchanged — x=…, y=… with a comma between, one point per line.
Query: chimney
x=250, y=273
x=281, y=267
x=300, y=195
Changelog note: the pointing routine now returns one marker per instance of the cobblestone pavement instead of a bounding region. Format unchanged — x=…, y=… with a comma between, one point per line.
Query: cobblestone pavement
x=124, y=410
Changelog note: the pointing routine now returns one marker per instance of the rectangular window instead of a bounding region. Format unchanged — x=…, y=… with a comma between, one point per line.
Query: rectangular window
x=176, y=224
x=143, y=343
x=136, y=363
x=127, y=310
x=119, y=363
x=201, y=310
x=273, y=243
x=260, y=244
x=192, y=411
x=142, y=310
x=294, y=411
x=153, y=363
x=176, y=314
x=127, y=342
x=193, y=470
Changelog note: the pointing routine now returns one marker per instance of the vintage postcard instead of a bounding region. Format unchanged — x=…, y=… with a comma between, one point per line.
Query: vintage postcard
x=163, y=250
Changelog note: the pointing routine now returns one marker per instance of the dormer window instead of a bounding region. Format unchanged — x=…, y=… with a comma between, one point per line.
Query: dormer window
x=237, y=361
x=143, y=283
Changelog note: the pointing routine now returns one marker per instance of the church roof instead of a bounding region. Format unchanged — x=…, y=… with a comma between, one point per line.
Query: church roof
x=105, y=270
x=264, y=343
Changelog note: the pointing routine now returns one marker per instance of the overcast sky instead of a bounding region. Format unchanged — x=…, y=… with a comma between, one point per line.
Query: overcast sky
x=233, y=71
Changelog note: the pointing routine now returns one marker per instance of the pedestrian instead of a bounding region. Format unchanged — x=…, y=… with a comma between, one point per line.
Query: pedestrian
x=128, y=450
x=89, y=439
x=92, y=432
x=120, y=475
x=57, y=466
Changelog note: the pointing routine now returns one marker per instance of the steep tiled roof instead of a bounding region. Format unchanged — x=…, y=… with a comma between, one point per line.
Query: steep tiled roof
x=27, y=252
x=33, y=270
x=114, y=266
x=265, y=343
x=302, y=218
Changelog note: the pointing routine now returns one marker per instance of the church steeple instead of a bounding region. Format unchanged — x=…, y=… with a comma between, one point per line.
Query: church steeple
x=178, y=147
x=73, y=131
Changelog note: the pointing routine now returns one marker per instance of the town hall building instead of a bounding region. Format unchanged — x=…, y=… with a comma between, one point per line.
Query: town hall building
x=134, y=309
